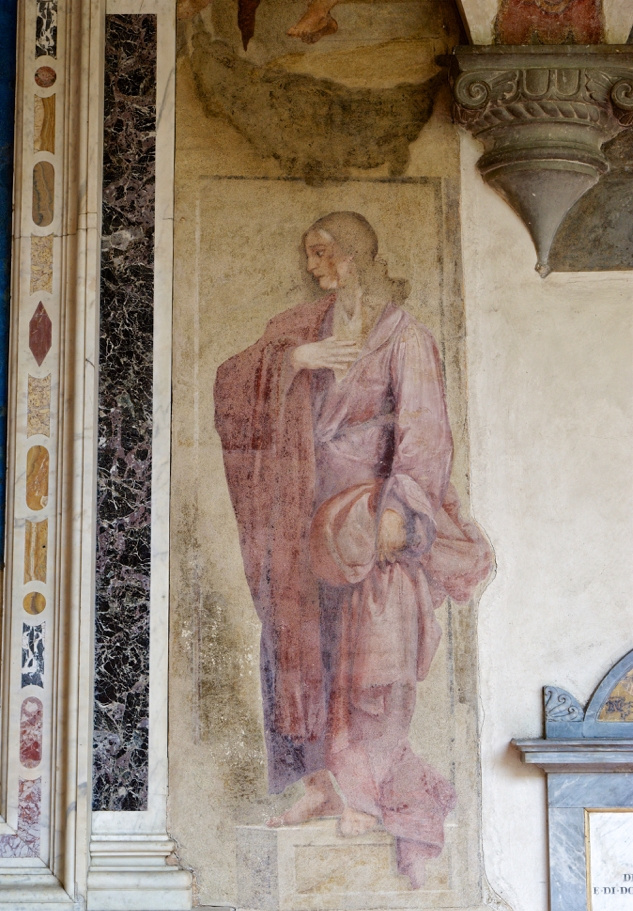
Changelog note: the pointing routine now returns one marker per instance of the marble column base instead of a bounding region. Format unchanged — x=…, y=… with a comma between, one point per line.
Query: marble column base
x=310, y=868
x=133, y=874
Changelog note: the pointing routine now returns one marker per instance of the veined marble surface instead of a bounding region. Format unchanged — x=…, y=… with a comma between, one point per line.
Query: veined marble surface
x=124, y=487
x=610, y=886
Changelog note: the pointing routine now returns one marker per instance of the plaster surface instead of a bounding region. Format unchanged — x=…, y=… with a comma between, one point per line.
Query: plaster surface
x=551, y=422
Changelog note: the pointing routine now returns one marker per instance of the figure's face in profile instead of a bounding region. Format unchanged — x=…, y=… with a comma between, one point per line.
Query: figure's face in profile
x=326, y=262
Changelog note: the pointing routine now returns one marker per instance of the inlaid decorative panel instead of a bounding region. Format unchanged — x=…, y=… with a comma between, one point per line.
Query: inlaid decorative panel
x=46, y=28
x=121, y=720
x=44, y=124
x=43, y=193
x=26, y=841
x=31, y=718
x=42, y=264
x=33, y=654
x=35, y=547
x=40, y=334
x=39, y=406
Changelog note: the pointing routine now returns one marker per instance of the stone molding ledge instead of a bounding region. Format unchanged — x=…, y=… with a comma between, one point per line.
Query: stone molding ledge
x=577, y=756
x=543, y=114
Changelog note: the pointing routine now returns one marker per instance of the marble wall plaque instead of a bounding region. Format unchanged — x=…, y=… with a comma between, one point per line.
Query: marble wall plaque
x=610, y=859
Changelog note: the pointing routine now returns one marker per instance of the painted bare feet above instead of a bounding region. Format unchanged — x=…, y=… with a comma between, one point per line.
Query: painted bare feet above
x=355, y=822
x=316, y=22
x=320, y=800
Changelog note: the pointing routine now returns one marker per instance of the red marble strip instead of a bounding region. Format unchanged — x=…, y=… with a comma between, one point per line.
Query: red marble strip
x=26, y=841
x=31, y=720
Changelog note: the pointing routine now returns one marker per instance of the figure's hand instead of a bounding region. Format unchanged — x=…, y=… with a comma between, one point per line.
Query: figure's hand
x=329, y=353
x=392, y=536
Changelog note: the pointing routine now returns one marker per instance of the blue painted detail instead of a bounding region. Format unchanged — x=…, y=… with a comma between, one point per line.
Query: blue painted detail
x=612, y=729
x=8, y=26
x=565, y=718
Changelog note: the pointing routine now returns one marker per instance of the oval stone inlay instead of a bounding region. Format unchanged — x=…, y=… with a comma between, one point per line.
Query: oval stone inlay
x=43, y=193
x=45, y=76
x=37, y=464
x=31, y=719
x=34, y=603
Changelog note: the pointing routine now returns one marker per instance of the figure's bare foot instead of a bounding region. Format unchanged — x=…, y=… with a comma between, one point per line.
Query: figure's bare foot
x=355, y=822
x=187, y=9
x=319, y=800
x=316, y=23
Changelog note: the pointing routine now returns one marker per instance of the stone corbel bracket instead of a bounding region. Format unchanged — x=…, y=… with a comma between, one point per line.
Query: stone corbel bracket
x=543, y=114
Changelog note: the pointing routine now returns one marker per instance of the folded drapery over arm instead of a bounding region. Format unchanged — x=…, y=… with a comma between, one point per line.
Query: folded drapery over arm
x=423, y=445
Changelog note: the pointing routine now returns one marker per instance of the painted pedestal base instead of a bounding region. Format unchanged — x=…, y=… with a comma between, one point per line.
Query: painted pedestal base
x=311, y=868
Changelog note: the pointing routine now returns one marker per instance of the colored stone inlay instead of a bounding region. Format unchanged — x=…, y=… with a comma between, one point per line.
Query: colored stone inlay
x=121, y=717
x=619, y=705
x=40, y=334
x=43, y=193
x=37, y=465
x=44, y=124
x=26, y=841
x=33, y=654
x=549, y=22
x=45, y=77
x=42, y=263
x=39, y=406
x=34, y=603
x=35, y=547
x=46, y=29
x=31, y=721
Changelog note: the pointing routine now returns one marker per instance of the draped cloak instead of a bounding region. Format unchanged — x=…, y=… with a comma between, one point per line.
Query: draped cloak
x=265, y=416
x=311, y=464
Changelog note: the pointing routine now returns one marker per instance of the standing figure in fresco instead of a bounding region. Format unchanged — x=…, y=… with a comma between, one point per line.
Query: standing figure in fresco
x=338, y=453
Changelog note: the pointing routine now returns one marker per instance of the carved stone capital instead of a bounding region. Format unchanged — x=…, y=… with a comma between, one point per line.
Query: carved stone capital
x=543, y=114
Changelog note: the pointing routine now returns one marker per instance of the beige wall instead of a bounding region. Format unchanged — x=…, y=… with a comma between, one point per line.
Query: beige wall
x=550, y=366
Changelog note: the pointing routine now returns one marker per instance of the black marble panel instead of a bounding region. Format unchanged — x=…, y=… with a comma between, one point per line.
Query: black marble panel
x=46, y=29
x=33, y=654
x=121, y=717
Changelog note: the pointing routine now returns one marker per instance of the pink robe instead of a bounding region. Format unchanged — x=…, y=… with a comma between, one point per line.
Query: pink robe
x=377, y=439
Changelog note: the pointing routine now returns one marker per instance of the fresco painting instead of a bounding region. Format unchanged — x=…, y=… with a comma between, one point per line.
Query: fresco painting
x=324, y=567
x=338, y=456
x=549, y=22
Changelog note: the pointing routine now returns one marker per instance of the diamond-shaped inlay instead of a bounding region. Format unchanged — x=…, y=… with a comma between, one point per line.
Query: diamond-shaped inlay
x=40, y=334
